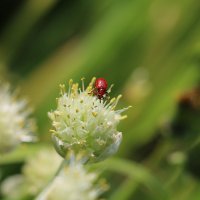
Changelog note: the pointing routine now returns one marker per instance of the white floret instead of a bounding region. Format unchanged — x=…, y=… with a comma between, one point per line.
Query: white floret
x=82, y=122
x=15, y=124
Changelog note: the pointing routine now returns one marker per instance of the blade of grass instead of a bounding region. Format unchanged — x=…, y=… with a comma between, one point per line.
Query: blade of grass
x=137, y=172
x=21, y=153
x=125, y=190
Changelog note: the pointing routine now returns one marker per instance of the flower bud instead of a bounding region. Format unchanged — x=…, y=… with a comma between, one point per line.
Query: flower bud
x=39, y=169
x=15, y=124
x=74, y=182
x=85, y=124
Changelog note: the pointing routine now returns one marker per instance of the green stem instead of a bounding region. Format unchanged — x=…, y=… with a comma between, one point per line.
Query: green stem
x=62, y=164
x=42, y=193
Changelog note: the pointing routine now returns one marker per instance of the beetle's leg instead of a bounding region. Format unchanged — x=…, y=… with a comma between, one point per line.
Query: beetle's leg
x=93, y=91
x=106, y=96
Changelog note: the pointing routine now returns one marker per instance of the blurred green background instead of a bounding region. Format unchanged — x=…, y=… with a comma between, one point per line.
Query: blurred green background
x=150, y=50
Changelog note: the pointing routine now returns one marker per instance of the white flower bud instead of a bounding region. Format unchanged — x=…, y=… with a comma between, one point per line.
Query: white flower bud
x=83, y=123
x=15, y=124
x=74, y=183
x=39, y=170
x=36, y=174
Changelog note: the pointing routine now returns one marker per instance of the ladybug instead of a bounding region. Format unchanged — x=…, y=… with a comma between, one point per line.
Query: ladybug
x=100, y=88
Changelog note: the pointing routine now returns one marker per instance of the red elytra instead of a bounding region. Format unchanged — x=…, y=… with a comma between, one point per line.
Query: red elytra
x=101, y=88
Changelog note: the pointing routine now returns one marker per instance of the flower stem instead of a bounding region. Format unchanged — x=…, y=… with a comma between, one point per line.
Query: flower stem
x=62, y=164
x=41, y=195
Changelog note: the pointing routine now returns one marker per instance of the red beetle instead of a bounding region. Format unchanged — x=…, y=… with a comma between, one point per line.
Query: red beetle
x=100, y=89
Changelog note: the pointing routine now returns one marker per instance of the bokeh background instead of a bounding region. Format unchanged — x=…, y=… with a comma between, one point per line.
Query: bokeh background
x=150, y=50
